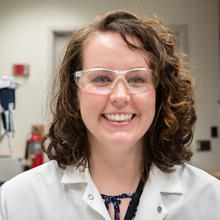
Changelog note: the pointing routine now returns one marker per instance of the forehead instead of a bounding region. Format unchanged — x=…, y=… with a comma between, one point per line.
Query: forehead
x=108, y=49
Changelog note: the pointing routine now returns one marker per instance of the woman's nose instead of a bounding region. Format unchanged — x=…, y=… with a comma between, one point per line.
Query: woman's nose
x=120, y=95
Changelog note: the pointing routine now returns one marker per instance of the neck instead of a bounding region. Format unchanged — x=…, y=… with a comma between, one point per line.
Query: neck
x=115, y=172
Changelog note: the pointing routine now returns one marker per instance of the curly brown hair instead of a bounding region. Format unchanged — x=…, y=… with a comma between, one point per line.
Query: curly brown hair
x=166, y=143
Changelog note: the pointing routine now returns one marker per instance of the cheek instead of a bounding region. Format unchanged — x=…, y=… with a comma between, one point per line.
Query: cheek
x=85, y=105
x=90, y=105
x=147, y=103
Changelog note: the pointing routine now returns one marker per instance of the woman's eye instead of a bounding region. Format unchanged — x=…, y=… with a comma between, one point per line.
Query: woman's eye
x=101, y=79
x=137, y=80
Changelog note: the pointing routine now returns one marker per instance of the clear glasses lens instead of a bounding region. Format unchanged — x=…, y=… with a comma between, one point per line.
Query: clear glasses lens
x=102, y=81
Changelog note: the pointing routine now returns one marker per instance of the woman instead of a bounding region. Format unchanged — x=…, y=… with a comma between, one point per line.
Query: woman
x=121, y=128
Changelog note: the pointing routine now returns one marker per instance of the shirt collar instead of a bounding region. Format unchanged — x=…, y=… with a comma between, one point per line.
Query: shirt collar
x=90, y=196
x=73, y=174
x=151, y=203
x=157, y=184
x=166, y=182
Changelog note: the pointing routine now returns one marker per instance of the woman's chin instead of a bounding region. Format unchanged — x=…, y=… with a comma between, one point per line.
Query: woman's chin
x=121, y=140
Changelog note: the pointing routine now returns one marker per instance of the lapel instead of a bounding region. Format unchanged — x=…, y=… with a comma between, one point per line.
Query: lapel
x=151, y=205
x=91, y=196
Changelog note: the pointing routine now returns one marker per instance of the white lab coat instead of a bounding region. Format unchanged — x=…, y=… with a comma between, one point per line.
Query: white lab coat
x=50, y=193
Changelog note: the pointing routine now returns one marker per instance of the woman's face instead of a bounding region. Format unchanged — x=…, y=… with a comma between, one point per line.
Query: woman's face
x=100, y=113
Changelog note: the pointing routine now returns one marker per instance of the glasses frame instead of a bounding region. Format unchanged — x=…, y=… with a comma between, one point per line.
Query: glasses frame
x=120, y=73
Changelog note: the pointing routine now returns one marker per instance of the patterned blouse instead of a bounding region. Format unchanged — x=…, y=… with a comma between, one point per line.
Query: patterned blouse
x=116, y=202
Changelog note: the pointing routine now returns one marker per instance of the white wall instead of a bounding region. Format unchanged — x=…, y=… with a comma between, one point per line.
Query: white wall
x=25, y=37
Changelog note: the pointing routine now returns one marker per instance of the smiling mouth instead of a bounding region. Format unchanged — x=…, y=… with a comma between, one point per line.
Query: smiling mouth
x=119, y=117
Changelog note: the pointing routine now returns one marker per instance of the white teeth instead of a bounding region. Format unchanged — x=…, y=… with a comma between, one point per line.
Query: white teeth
x=118, y=117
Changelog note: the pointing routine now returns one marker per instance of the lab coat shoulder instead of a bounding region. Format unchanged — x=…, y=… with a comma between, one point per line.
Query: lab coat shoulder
x=49, y=192
x=37, y=177
x=200, y=198
x=197, y=180
x=199, y=185
x=29, y=189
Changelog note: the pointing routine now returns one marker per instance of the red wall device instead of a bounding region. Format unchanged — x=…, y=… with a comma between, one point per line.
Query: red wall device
x=20, y=69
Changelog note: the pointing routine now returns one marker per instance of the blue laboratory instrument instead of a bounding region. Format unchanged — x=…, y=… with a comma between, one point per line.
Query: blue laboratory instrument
x=7, y=107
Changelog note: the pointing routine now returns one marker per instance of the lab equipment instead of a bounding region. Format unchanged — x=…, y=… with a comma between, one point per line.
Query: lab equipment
x=7, y=106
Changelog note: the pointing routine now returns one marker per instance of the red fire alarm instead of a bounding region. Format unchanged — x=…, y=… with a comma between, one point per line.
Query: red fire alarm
x=20, y=69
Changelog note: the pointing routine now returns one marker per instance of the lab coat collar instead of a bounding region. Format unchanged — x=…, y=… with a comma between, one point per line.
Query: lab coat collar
x=91, y=196
x=73, y=174
x=166, y=182
x=151, y=204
